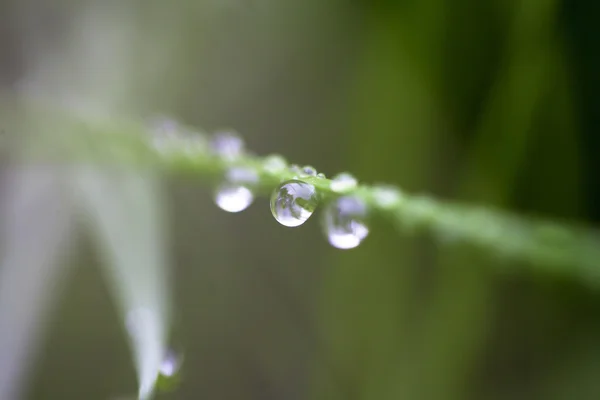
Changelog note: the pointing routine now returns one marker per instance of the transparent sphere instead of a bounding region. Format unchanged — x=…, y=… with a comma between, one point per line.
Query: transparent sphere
x=293, y=202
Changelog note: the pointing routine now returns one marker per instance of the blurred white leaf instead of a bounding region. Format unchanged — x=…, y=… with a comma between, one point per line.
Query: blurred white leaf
x=125, y=214
x=35, y=227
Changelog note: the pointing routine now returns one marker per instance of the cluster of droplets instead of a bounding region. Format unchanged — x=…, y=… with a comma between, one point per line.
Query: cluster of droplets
x=293, y=201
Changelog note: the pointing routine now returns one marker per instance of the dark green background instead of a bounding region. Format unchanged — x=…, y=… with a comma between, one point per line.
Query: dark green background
x=493, y=102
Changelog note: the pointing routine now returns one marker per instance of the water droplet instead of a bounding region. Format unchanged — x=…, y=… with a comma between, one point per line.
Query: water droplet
x=169, y=376
x=227, y=145
x=343, y=182
x=241, y=175
x=386, y=196
x=170, y=364
x=344, y=222
x=307, y=170
x=293, y=202
x=164, y=135
x=164, y=126
x=321, y=175
x=233, y=197
x=295, y=169
x=274, y=164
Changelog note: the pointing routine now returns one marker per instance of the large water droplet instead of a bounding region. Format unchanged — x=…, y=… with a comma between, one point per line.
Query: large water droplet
x=343, y=182
x=344, y=222
x=233, y=197
x=227, y=144
x=293, y=202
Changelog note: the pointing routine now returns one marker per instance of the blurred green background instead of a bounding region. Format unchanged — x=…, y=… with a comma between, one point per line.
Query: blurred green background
x=493, y=102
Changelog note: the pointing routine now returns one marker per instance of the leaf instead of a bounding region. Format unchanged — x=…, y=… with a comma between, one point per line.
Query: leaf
x=35, y=227
x=124, y=209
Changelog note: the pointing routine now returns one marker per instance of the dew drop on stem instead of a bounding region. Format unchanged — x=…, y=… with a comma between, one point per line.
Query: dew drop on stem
x=293, y=202
x=343, y=182
x=343, y=221
x=227, y=144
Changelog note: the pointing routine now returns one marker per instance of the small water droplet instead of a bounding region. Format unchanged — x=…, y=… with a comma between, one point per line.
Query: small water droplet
x=293, y=202
x=343, y=182
x=233, y=197
x=241, y=175
x=344, y=222
x=164, y=135
x=386, y=196
x=308, y=170
x=170, y=364
x=169, y=371
x=321, y=175
x=227, y=144
x=274, y=164
x=164, y=126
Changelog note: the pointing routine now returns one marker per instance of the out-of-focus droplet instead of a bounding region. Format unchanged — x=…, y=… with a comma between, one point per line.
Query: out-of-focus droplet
x=343, y=221
x=241, y=175
x=386, y=196
x=164, y=135
x=321, y=175
x=308, y=170
x=274, y=164
x=233, y=197
x=170, y=364
x=164, y=126
x=295, y=169
x=343, y=182
x=234, y=194
x=227, y=145
x=169, y=373
x=293, y=202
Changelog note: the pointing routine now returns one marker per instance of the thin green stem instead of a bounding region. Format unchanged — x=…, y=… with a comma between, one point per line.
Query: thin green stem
x=573, y=250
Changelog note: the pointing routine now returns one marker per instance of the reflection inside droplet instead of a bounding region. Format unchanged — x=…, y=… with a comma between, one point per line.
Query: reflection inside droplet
x=293, y=202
